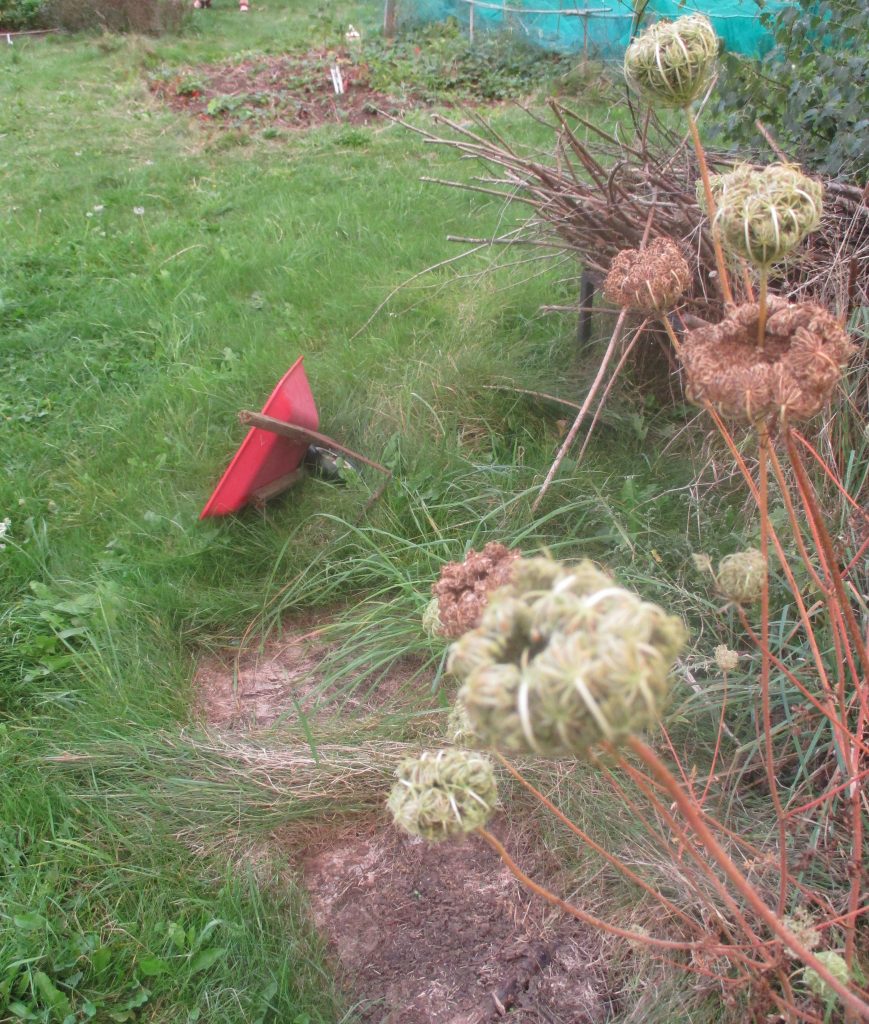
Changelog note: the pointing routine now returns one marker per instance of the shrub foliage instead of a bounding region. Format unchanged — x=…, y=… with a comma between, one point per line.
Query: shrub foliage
x=813, y=87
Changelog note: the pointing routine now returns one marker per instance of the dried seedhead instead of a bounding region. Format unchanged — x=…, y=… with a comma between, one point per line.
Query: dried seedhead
x=726, y=658
x=740, y=576
x=790, y=378
x=672, y=62
x=836, y=965
x=463, y=589
x=431, y=619
x=564, y=659
x=764, y=214
x=443, y=793
x=650, y=280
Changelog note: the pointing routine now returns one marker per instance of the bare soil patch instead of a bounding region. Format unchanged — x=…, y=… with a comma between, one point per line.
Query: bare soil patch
x=294, y=91
x=444, y=934
x=284, y=680
x=421, y=933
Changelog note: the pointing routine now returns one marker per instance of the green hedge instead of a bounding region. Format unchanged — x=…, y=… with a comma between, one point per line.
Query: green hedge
x=16, y=15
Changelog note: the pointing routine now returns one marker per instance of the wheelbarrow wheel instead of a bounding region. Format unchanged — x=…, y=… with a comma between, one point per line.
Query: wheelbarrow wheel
x=329, y=465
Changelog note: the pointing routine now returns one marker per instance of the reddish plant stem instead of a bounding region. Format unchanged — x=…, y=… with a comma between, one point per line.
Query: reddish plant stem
x=761, y=318
x=834, y=610
x=782, y=557
x=717, y=749
x=590, y=919
x=688, y=843
x=836, y=723
x=851, y=1000
x=671, y=334
x=766, y=707
x=797, y=532
x=829, y=473
x=807, y=492
x=853, y=780
x=712, y=209
x=685, y=779
x=607, y=856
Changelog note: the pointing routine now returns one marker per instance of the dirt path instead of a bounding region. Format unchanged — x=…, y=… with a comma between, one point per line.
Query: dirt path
x=421, y=933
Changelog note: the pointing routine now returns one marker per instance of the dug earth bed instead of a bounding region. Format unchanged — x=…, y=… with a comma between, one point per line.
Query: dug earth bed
x=444, y=934
x=420, y=933
x=293, y=91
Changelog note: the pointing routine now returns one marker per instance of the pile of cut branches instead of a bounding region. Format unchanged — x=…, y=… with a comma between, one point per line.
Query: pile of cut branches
x=595, y=194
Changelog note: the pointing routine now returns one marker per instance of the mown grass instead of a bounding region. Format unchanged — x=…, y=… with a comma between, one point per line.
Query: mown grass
x=155, y=277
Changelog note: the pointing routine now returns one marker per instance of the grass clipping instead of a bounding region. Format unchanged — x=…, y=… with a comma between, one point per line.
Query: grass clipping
x=208, y=785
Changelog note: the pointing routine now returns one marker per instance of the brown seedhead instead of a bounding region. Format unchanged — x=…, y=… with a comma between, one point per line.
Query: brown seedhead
x=463, y=589
x=649, y=280
x=790, y=378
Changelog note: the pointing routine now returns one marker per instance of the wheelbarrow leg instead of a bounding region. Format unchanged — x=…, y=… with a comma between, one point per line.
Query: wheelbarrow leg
x=586, y=307
x=262, y=495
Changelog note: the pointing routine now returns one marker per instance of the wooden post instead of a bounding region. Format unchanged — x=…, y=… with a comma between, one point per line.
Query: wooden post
x=390, y=15
x=586, y=305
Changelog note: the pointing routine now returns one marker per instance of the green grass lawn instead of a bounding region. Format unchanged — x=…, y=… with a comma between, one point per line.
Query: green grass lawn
x=157, y=275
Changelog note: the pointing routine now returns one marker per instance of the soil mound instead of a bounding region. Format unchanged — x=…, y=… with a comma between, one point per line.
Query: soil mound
x=293, y=91
x=444, y=934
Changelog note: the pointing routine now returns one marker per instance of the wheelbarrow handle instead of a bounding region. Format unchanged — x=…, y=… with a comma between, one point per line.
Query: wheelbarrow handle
x=296, y=433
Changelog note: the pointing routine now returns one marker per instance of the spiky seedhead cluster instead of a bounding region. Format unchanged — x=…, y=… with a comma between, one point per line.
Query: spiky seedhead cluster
x=733, y=182
x=443, y=793
x=790, y=378
x=564, y=659
x=459, y=728
x=836, y=965
x=672, y=62
x=463, y=589
x=740, y=576
x=650, y=280
x=764, y=214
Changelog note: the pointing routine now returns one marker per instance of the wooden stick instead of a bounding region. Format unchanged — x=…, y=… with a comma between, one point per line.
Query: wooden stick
x=580, y=416
x=296, y=433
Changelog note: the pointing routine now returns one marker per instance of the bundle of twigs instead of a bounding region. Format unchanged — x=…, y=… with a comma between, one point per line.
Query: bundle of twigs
x=595, y=193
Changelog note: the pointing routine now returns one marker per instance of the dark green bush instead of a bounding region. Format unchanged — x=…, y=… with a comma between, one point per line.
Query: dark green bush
x=16, y=15
x=812, y=89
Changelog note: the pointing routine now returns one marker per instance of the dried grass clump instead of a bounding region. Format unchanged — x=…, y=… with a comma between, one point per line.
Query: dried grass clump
x=443, y=793
x=764, y=214
x=671, y=63
x=463, y=589
x=649, y=280
x=564, y=659
x=790, y=378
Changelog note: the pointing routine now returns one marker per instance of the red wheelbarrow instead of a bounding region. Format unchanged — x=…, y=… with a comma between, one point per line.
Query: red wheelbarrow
x=278, y=448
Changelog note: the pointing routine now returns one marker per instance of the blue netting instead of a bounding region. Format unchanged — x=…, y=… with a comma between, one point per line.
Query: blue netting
x=606, y=29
